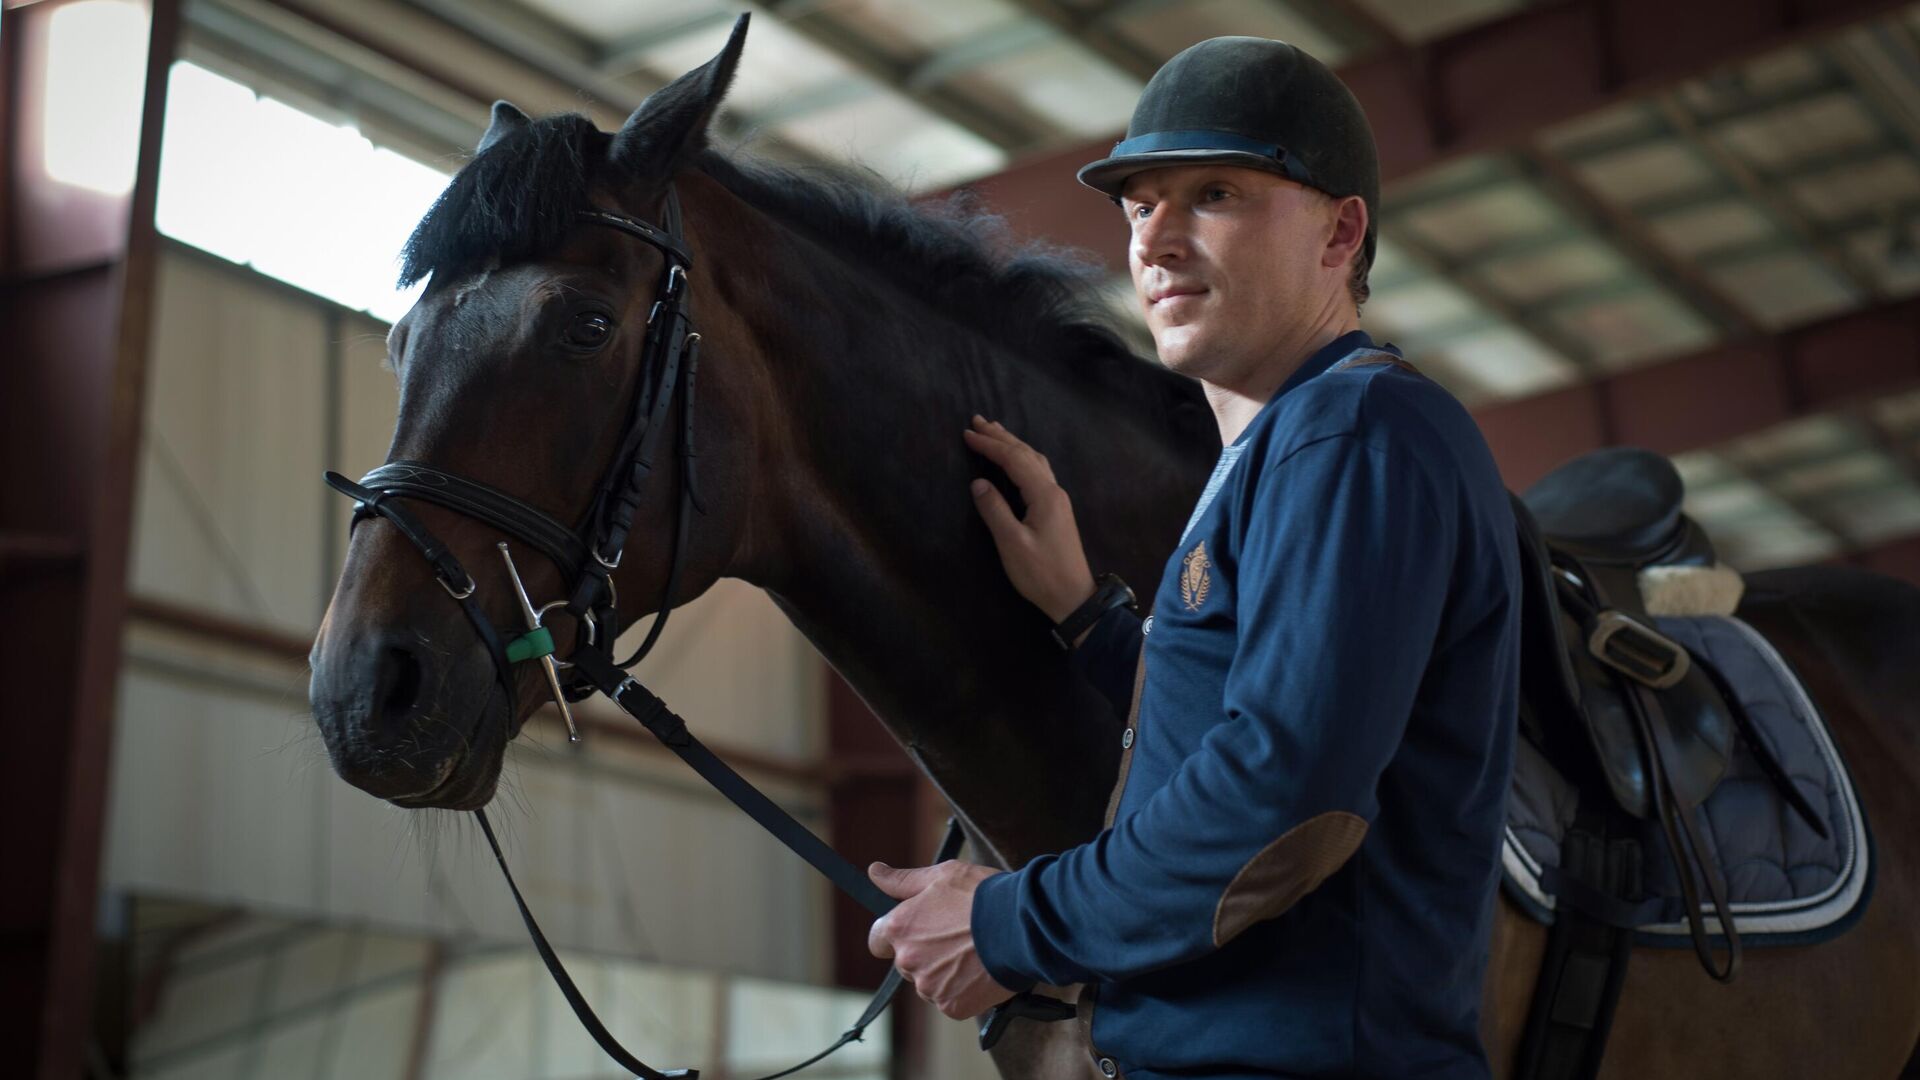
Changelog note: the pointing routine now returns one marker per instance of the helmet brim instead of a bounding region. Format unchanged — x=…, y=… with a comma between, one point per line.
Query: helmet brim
x=1109, y=175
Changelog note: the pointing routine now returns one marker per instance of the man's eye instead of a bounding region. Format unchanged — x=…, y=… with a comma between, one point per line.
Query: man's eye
x=1141, y=211
x=1216, y=194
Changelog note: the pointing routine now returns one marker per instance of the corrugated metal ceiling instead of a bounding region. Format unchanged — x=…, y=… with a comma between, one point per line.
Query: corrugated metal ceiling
x=1739, y=203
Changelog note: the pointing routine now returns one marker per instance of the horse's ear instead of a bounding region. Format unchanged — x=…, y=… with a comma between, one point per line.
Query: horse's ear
x=506, y=121
x=671, y=125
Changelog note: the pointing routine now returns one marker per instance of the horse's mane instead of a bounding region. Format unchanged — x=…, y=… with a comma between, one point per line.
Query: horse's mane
x=518, y=198
x=1031, y=298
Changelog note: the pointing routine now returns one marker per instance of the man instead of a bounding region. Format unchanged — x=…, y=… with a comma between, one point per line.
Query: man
x=1299, y=872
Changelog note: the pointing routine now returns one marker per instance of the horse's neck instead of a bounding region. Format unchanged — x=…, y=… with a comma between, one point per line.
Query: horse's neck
x=885, y=566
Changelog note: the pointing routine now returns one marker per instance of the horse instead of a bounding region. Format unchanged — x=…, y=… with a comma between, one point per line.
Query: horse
x=850, y=334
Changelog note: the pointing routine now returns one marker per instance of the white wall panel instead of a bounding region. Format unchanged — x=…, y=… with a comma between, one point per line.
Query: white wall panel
x=228, y=510
x=216, y=795
x=369, y=403
x=222, y=793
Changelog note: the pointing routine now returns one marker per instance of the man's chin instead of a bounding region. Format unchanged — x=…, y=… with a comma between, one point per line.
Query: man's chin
x=1182, y=349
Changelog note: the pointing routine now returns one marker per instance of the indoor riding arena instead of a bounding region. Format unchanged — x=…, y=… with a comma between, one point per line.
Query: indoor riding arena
x=511, y=507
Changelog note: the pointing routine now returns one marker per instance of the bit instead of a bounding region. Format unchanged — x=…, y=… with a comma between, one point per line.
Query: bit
x=532, y=616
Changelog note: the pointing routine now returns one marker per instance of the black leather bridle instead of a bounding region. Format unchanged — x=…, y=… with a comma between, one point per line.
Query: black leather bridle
x=586, y=555
x=588, y=552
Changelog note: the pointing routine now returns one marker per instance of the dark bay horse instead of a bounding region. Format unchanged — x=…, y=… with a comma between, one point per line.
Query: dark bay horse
x=849, y=336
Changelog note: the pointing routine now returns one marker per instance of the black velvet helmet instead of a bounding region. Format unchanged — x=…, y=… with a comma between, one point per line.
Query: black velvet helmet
x=1256, y=103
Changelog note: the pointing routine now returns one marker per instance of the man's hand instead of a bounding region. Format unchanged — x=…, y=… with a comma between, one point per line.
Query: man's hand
x=929, y=937
x=1042, y=554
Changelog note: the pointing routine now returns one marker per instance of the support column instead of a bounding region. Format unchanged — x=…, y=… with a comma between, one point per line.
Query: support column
x=76, y=283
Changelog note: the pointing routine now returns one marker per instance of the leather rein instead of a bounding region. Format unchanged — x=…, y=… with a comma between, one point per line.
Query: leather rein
x=587, y=555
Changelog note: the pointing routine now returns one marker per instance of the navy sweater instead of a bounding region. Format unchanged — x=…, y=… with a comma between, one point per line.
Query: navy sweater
x=1299, y=872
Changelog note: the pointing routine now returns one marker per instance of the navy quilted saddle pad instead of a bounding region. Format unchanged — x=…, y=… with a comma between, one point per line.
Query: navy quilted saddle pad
x=1786, y=883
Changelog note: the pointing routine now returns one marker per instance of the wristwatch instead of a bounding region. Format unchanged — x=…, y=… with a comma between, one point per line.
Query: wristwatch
x=1109, y=592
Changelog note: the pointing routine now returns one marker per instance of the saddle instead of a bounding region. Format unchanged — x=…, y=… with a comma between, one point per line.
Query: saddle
x=1621, y=711
x=1599, y=521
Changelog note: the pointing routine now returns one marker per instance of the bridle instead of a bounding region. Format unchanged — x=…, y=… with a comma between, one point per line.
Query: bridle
x=587, y=554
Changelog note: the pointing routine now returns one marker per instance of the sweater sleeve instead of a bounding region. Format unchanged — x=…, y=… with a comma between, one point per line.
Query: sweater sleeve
x=1343, y=570
x=1108, y=655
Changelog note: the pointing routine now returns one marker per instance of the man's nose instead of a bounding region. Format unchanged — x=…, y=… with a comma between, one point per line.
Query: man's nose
x=1160, y=237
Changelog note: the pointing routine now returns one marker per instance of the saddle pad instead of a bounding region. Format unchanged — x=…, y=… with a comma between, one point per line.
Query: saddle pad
x=1785, y=882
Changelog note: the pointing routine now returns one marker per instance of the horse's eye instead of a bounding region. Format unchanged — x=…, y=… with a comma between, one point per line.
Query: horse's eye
x=589, y=330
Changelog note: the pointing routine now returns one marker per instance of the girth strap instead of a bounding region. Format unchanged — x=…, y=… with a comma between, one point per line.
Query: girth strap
x=1588, y=949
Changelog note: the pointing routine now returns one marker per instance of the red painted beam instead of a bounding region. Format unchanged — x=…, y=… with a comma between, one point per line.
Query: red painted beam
x=1481, y=89
x=871, y=816
x=76, y=286
x=1709, y=397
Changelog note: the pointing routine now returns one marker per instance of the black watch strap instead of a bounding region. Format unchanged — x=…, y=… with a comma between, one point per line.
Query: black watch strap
x=1109, y=593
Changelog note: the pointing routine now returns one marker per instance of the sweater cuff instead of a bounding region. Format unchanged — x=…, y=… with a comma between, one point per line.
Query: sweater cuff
x=996, y=930
x=1108, y=656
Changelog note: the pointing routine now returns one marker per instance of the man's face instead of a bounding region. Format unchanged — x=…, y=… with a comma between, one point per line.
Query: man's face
x=1228, y=264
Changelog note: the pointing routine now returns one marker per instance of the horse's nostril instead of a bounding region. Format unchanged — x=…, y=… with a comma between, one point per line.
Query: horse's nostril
x=398, y=687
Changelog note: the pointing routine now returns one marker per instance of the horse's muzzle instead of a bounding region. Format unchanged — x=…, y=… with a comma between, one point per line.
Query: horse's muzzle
x=407, y=721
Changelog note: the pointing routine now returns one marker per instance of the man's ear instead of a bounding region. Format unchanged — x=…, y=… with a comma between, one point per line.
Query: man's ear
x=1349, y=234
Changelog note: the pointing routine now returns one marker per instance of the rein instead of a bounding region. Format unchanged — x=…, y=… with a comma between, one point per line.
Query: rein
x=587, y=554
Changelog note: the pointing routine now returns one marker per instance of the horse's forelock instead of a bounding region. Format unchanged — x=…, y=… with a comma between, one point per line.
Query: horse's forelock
x=514, y=200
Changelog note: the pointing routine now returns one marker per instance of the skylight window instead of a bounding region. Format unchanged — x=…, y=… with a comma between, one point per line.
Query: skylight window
x=96, y=70
x=315, y=204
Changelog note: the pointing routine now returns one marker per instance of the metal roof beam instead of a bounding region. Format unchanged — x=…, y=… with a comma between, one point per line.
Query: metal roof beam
x=1708, y=397
x=991, y=46
x=1095, y=31
x=1627, y=233
x=1780, y=205
x=1484, y=88
x=1585, y=150
x=1535, y=323
x=1009, y=126
x=628, y=52
x=562, y=56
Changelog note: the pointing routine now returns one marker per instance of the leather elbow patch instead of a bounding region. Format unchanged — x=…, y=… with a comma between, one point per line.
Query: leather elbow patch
x=1286, y=870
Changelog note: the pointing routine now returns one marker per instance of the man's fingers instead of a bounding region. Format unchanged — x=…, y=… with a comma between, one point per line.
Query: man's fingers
x=994, y=450
x=997, y=514
x=900, y=884
x=1025, y=466
x=878, y=943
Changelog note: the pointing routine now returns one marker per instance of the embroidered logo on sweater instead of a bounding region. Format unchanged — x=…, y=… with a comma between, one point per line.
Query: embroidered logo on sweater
x=1194, y=580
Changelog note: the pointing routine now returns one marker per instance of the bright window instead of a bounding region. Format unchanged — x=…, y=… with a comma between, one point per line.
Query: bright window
x=312, y=203
x=96, y=71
